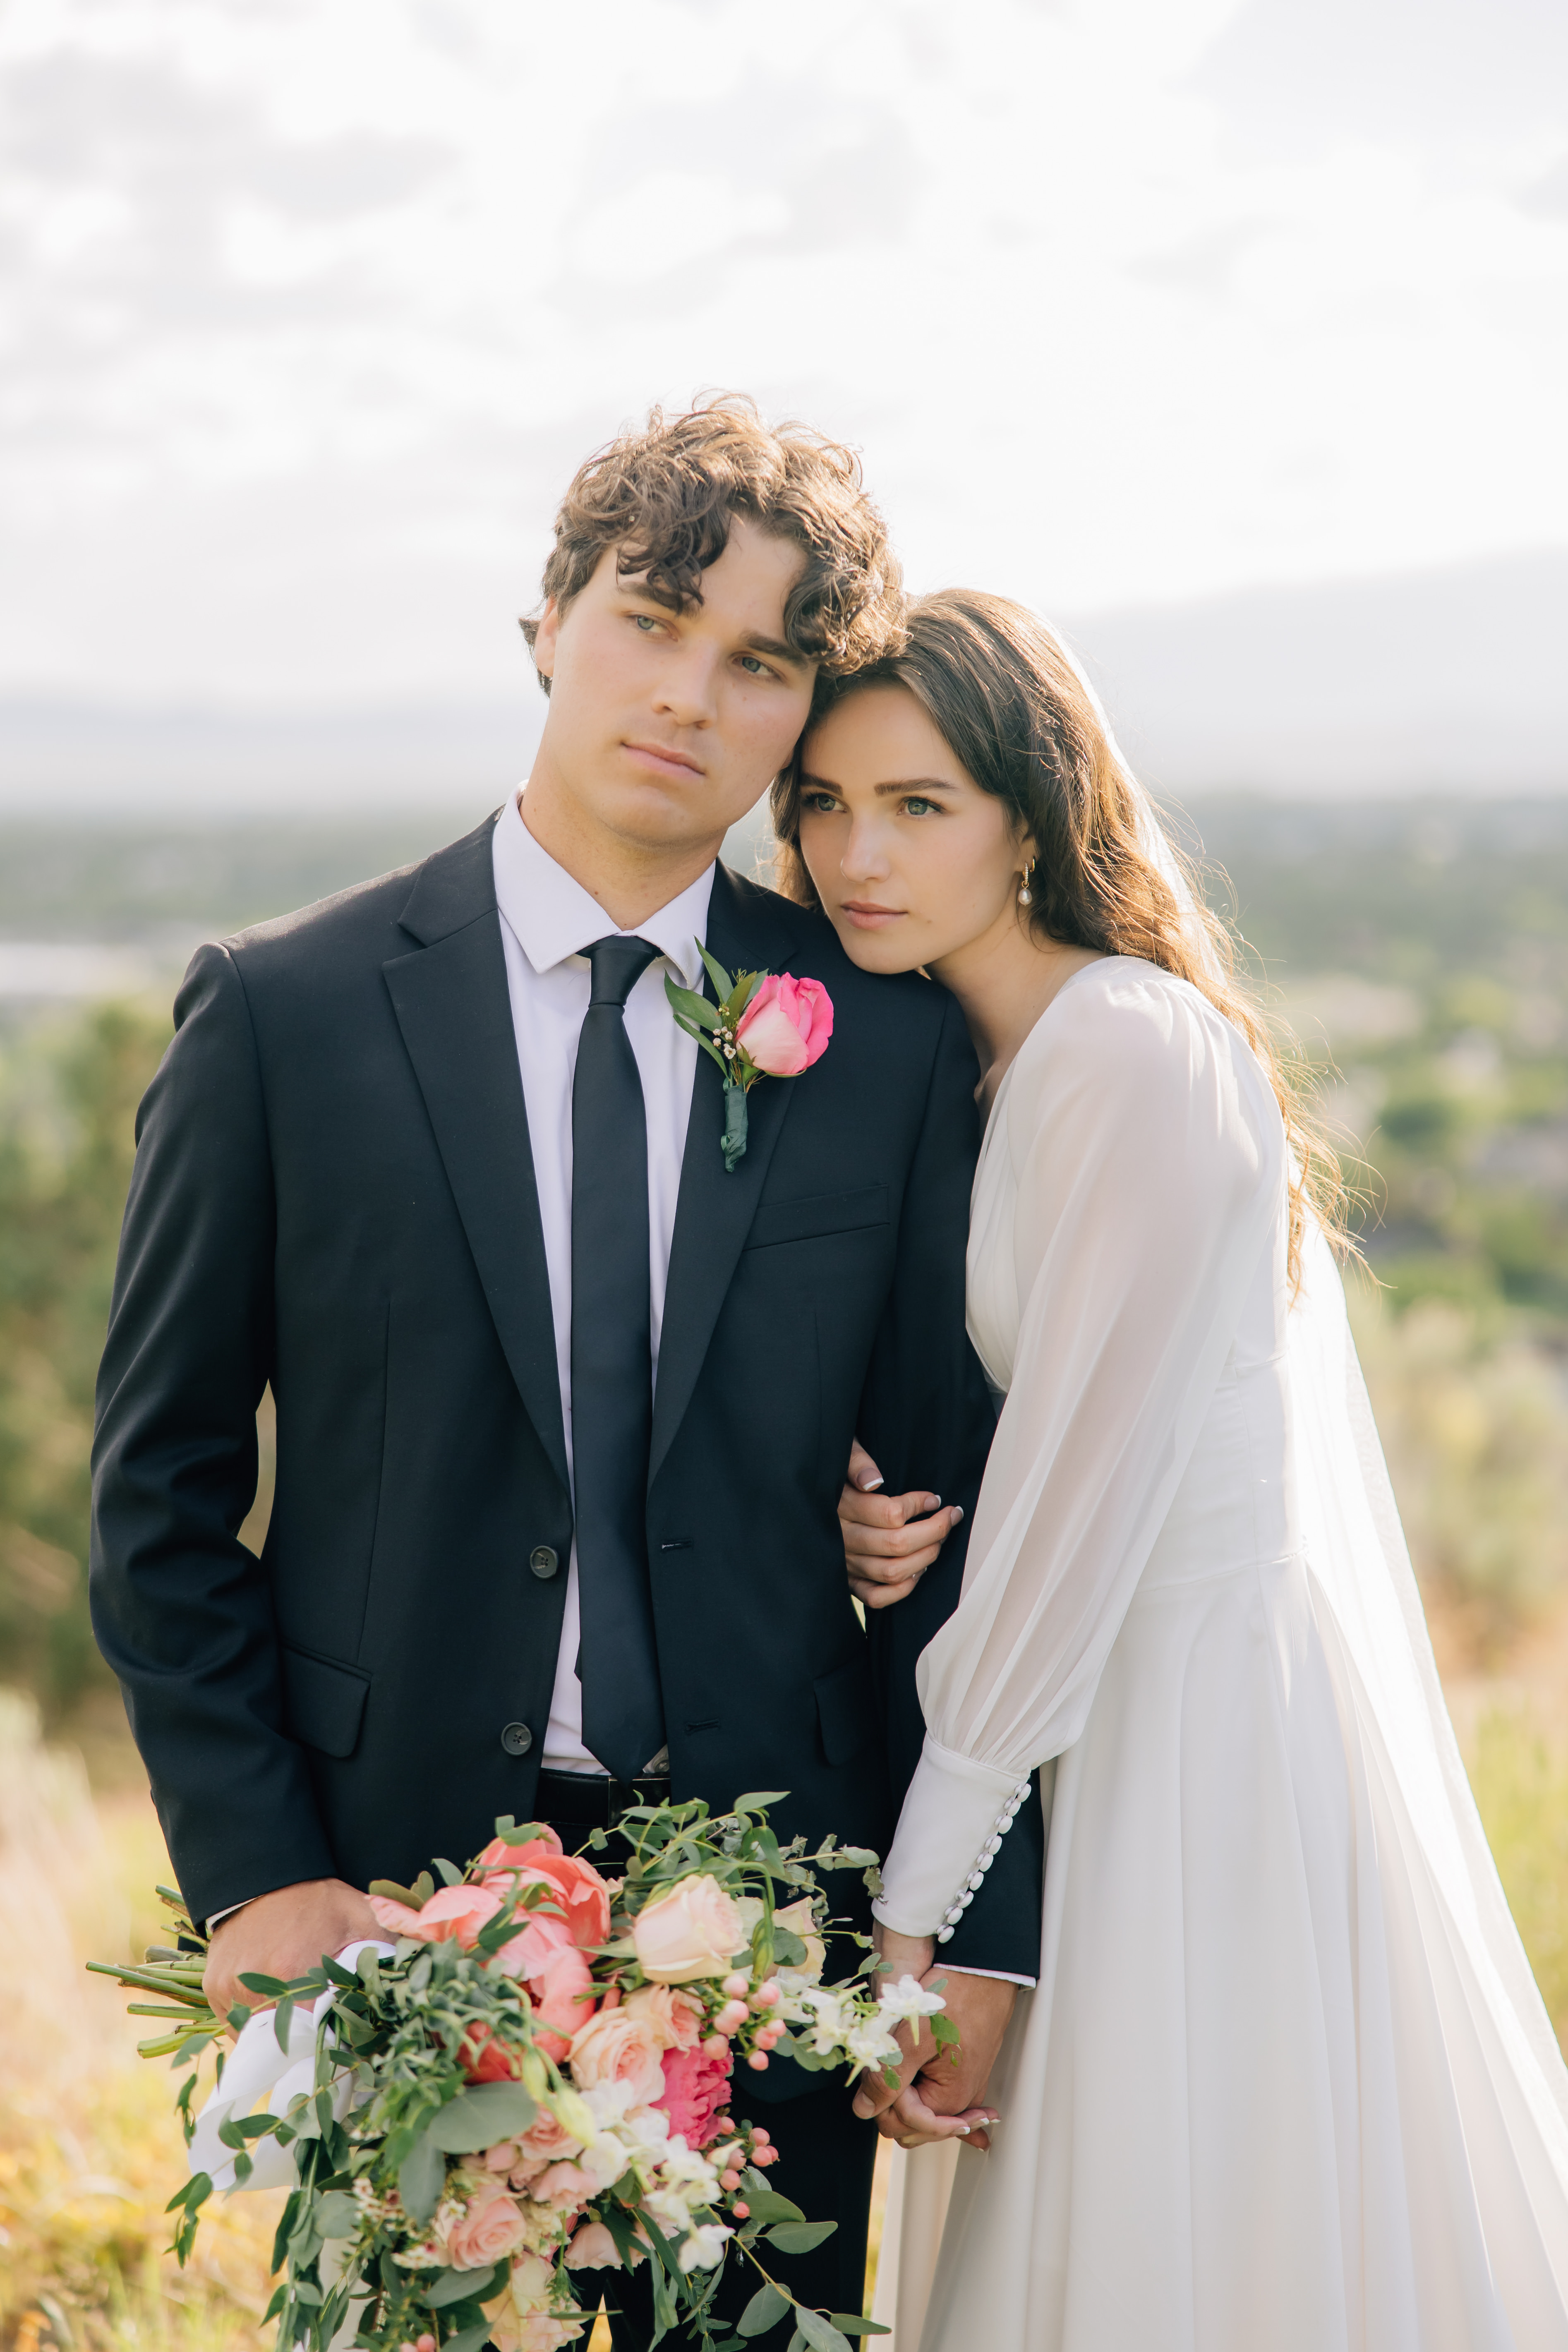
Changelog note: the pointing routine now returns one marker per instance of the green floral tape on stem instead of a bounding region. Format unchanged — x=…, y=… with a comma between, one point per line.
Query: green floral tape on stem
x=733, y=1141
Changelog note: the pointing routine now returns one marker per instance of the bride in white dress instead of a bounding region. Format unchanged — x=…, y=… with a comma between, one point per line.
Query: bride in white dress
x=1286, y=2083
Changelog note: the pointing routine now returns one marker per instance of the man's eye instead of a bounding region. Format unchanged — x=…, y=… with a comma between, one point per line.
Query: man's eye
x=645, y=621
x=754, y=667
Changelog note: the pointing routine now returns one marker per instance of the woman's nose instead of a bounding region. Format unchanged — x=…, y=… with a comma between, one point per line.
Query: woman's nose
x=865, y=857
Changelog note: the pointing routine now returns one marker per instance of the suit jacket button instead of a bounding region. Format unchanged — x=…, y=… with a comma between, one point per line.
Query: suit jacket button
x=544, y=1560
x=517, y=1740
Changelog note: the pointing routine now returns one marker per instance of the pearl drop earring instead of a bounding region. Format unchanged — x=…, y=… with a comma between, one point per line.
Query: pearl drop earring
x=1025, y=896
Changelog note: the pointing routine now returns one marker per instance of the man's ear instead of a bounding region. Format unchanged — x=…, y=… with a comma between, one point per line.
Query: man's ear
x=546, y=639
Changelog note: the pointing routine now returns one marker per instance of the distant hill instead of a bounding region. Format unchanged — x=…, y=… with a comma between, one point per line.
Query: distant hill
x=1452, y=681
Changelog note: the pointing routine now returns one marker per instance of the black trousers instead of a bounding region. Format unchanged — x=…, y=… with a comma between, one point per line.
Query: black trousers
x=827, y=2154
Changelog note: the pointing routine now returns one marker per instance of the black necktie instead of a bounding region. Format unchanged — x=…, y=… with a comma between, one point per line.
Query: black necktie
x=611, y=1372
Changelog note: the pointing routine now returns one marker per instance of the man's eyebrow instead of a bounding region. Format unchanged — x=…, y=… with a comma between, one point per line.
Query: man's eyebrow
x=777, y=649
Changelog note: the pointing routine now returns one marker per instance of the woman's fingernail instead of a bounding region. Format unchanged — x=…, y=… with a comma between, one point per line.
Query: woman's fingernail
x=957, y=1513
x=965, y=2129
x=869, y=1486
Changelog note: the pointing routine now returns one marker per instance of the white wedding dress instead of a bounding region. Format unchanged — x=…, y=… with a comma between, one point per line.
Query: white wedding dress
x=1286, y=2085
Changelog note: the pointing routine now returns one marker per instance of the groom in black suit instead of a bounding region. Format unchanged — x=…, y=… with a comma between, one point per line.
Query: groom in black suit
x=564, y=1405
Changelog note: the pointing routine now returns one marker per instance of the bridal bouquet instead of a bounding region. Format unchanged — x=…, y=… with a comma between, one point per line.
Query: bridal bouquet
x=531, y=2079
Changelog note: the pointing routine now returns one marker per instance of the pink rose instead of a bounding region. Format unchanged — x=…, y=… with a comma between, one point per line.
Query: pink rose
x=696, y=2091
x=675, y=2017
x=453, y=1917
x=593, y=2249
x=693, y=1931
x=786, y=1025
x=546, y=2139
x=489, y=2228
x=565, y=2186
x=617, y=2047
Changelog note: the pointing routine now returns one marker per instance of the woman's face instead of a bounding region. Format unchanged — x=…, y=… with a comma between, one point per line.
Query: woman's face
x=912, y=860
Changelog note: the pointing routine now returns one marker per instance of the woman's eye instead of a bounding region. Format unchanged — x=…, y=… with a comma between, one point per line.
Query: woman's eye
x=916, y=806
x=823, y=803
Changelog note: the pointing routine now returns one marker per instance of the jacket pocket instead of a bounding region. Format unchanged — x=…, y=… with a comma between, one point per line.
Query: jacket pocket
x=822, y=1212
x=323, y=1702
x=846, y=1711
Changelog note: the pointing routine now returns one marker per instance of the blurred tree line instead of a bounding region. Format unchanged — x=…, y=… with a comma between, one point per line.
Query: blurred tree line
x=64, y=1171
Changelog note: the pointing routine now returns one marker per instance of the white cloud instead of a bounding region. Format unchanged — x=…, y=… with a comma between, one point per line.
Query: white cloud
x=316, y=302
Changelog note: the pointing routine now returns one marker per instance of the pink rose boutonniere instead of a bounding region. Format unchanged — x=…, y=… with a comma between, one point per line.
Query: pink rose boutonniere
x=765, y=1024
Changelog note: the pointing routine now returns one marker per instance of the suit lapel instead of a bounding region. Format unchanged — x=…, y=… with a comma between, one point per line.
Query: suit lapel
x=714, y=1212
x=453, y=1006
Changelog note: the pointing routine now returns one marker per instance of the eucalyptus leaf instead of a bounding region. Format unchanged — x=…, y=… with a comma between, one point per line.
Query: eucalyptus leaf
x=421, y=2176
x=757, y=1801
x=767, y=2205
x=819, y=2333
x=455, y=2286
x=337, y=2215
x=848, y=2323
x=800, y=2237
x=765, y=2309
x=451, y=1875
x=479, y=2118
x=468, y=2339
x=389, y=1891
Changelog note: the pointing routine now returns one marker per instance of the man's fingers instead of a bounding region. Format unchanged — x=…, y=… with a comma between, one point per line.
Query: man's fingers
x=881, y=1596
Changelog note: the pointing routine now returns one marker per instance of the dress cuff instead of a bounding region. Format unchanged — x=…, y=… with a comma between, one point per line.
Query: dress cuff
x=954, y=1817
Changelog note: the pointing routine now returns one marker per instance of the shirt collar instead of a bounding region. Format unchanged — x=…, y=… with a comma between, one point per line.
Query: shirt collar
x=552, y=917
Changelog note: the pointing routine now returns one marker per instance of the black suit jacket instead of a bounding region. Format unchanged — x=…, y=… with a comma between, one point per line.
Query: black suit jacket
x=333, y=1193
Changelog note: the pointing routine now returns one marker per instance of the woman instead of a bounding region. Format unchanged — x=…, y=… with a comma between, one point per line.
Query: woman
x=1286, y=2083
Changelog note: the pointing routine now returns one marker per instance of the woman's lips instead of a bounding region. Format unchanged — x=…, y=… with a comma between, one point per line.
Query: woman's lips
x=866, y=916
x=663, y=759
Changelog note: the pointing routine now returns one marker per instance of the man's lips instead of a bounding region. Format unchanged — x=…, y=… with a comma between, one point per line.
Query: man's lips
x=868, y=916
x=665, y=759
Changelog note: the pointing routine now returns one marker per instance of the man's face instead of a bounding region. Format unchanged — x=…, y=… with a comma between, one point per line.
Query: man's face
x=665, y=727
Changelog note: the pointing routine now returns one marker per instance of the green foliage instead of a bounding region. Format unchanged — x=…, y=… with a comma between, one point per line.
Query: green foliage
x=62, y=1195
x=1521, y=1792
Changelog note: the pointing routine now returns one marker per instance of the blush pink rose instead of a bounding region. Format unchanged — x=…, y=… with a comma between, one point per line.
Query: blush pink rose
x=692, y=1931
x=675, y=2017
x=593, y=2249
x=617, y=2047
x=565, y=2186
x=695, y=2091
x=453, y=1917
x=786, y=1025
x=489, y=2228
x=547, y=2139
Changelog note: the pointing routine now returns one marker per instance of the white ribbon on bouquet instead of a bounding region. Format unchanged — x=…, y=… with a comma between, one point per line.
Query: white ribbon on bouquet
x=260, y=2066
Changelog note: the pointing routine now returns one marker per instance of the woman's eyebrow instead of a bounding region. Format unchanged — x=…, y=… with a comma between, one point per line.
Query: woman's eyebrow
x=920, y=784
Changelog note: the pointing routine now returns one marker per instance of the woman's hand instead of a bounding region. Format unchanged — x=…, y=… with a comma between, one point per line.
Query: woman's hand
x=903, y=2111
x=890, y=1540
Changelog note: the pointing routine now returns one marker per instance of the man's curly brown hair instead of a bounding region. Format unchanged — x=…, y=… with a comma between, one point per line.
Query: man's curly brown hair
x=665, y=498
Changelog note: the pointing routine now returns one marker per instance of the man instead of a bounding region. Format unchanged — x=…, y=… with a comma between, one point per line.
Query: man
x=562, y=1405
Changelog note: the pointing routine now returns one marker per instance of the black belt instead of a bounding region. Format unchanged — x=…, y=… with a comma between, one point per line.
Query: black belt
x=595, y=1800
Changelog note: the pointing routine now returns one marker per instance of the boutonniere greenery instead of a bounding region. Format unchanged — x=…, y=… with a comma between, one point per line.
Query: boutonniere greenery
x=764, y=1024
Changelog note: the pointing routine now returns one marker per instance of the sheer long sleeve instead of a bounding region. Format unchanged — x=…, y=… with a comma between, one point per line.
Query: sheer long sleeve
x=1134, y=1172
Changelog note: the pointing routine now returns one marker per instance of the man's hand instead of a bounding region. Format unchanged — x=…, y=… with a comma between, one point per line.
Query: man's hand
x=283, y=1935
x=885, y=1554
x=939, y=2093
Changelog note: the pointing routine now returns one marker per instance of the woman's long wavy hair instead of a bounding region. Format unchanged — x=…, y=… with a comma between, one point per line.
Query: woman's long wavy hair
x=1021, y=722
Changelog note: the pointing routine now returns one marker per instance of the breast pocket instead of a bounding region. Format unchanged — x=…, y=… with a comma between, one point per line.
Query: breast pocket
x=818, y=1215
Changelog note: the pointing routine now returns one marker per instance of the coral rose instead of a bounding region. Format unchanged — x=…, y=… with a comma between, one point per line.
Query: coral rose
x=617, y=2047
x=675, y=2017
x=693, y=1931
x=489, y=2228
x=453, y=1917
x=572, y=1884
x=486, y=2060
x=696, y=2089
x=562, y=1997
x=786, y=1025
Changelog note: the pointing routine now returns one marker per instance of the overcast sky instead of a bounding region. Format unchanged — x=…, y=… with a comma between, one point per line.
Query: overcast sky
x=311, y=305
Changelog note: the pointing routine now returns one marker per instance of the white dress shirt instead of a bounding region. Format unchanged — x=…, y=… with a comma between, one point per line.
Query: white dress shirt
x=547, y=922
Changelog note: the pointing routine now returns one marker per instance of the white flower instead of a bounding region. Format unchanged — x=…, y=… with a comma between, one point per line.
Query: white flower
x=908, y=1999
x=868, y=2043
x=704, y=2248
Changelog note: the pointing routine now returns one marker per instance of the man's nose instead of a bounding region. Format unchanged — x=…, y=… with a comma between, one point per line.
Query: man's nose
x=688, y=686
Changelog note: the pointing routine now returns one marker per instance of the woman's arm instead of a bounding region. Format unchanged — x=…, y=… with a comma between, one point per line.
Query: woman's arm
x=1151, y=1170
